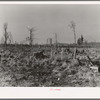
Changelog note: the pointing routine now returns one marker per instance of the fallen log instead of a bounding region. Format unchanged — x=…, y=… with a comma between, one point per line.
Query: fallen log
x=95, y=63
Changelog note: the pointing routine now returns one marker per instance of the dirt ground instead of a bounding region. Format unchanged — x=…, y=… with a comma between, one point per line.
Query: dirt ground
x=21, y=69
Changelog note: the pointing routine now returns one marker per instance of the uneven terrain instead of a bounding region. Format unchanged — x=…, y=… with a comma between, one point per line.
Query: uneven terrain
x=21, y=68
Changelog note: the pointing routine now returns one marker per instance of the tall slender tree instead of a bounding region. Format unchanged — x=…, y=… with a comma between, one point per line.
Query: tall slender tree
x=6, y=36
x=31, y=38
x=73, y=27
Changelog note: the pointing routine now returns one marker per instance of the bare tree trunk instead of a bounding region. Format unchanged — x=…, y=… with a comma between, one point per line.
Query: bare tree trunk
x=31, y=39
x=74, y=56
x=72, y=26
x=5, y=35
x=56, y=41
x=31, y=36
x=74, y=36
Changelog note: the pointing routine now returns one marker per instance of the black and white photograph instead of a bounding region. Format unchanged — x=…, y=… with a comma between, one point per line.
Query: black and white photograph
x=49, y=45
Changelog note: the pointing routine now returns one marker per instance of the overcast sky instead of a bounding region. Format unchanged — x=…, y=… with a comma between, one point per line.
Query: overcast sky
x=50, y=19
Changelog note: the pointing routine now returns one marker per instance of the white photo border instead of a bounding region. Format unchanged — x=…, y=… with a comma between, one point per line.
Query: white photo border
x=49, y=92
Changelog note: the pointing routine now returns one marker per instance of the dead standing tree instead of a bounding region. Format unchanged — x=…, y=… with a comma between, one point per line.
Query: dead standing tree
x=31, y=36
x=10, y=38
x=6, y=36
x=73, y=26
x=56, y=41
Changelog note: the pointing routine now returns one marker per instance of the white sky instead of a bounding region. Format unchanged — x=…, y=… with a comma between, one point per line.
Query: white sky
x=50, y=19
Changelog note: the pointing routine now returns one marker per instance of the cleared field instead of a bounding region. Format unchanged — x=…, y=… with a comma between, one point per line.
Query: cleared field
x=19, y=67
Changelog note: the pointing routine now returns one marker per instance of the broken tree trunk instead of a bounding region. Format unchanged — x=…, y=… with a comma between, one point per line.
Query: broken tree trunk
x=97, y=63
x=74, y=55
